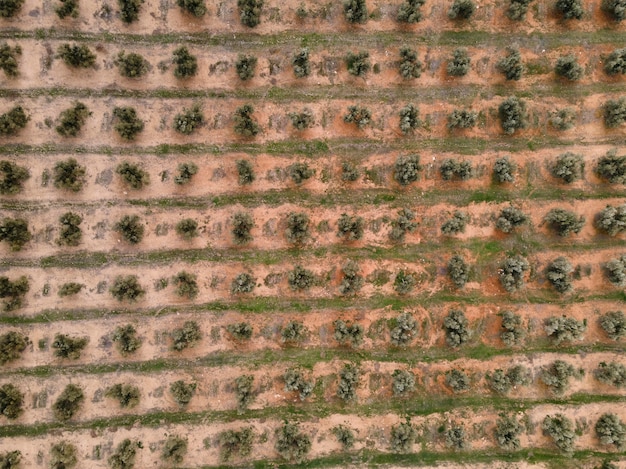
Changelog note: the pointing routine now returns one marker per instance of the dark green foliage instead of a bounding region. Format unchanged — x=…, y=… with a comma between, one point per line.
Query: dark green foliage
x=402, y=437
x=616, y=9
x=348, y=382
x=186, y=285
x=67, y=8
x=571, y=9
x=459, y=64
x=129, y=10
x=186, y=336
x=68, y=402
x=68, y=347
x=410, y=65
x=244, y=390
x=182, y=392
x=404, y=282
x=457, y=380
x=242, y=283
x=455, y=325
x=614, y=324
x=174, y=449
x=77, y=56
x=510, y=218
x=188, y=120
x=10, y=459
x=301, y=63
x=511, y=66
x=8, y=59
x=244, y=123
x=410, y=11
x=461, y=10
x=513, y=115
x=124, y=455
x=70, y=233
x=517, y=9
x=352, y=281
x=612, y=167
x=409, y=119
x=503, y=381
x=63, y=455
x=567, y=67
x=300, y=278
x=507, y=433
x=128, y=125
x=297, y=230
x=196, y=7
x=131, y=65
x=348, y=333
x=349, y=172
x=133, y=175
x=246, y=172
x=291, y=444
x=402, y=224
x=615, y=271
x=302, y=120
x=615, y=63
x=250, y=12
x=242, y=225
x=504, y=170
x=245, y=66
x=612, y=373
x=15, y=232
x=456, y=224
x=236, y=442
x=69, y=174
x=559, y=274
x=561, y=430
x=358, y=64
x=453, y=169
x=563, y=329
x=70, y=288
x=130, y=228
x=355, y=11
x=344, y=435
x=11, y=401
x=403, y=329
x=610, y=430
x=185, y=64
x=300, y=172
x=456, y=438
x=293, y=332
x=350, y=227
x=12, y=121
x=14, y=291
x=462, y=119
x=556, y=376
x=458, y=271
x=295, y=381
x=8, y=9
x=407, y=169
x=12, y=177
x=614, y=111
x=127, y=288
x=72, y=120
x=358, y=115
x=127, y=394
x=563, y=119
x=569, y=167
x=513, y=332
x=126, y=339
x=403, y=382
x=564, y=222
x=612, y=220
x=187, y=228
x=240, y=330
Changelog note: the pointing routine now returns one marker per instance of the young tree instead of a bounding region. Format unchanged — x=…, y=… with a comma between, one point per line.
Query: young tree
x=236, y=442
x=127, y=288
x=612, y=167
x=12, y=121
x=344, y=435
x=185, y=64
x=510, y=218
x=462, y=119
x=12, y=177
x=245, y=172
x=403, y=436
x=453, y=169
x=511, y=66
x=76, y=56
x=69, y=174
x=124, y=455
x=186, y=285
x=504, y=170
x=240, y=330
x=355, y=11
x=563, y=329
x=613, y=374
x=559, y=274
x=404, y=282
x=614, y=324
x=8, y=59
x=130, y=228
x=403, y=382
x=129, y=10
x=63, y=455
x=410, y=11
x=358, y=115
x=15, y=232
x=507, y=432
x=403, y=329
x=358, y=64
x=11, y=401
x=300, y=278
x=126, y=339
x=556, y=376
x=196, y=7
x=348, y=382
x=563, y=119
x=133, y=175
x=409, y=119
x=564, y=222
x=615, y=63
x=301, y=63
x=69, y=347
x=561, y=430
x=188, y=120
x=68, y=402
x=244, y=391
x=461, y=10
x=174, y=449
x=513, y=332
x=187, y=336
x=611, y=220
x=295, y=381
x=404, y=223
x=614, y=111
x=610, y=430
x=245, y=125
x=458, y=271
x=348, y=333
x=12, y=344
x=250, y=12
x=127, y=395
x=459, y=64
x=517, y=9
x=300, y=172
x=291, y=444
x=8, y=9
x=70, y=288
x=128, y=125
x=182, y=392
x=245, y=66
x=410, y=65
x=567, y=67
x=131, y=65
x=302, y=120
x=569, y=167
x=513, y=115
x=243, y=283
x=512, y=273
x=456, y=224
x=570, y=9
x=187, y=228
x=297, y=231
x=293, y=332
x=455, y=325
x=242, y=225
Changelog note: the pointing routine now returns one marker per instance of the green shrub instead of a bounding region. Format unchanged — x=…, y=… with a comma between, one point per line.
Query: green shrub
x=8, y=59
x=352, y=282
x=503, y=381
x=455, y=325
x=458, y=271
x=517, y=9
x=614, y=112
x=129, y=10
x=13, y=290
x=564, y=222
x=513, y=115
x=127, y=288
x=185, y=64
x=410, y=65
x=244, y=390
x=131, y=65
x=614, y=324
x=70, y=288
x=245, y=172
x=12, y=121
x=174, y=449
x=293, y=332
x=300, y=172
x=63, y=455
x=358, y=64
x=569, y=167
x=567, y=67
x=403, y=382
x=511, y=66
x=556, y=376
x=507, y=432
x=612, y=220
x=242, y=283
x=456, y=438
x=461, y=10
x=69, y=347
x=348, y=333
x=457, y=380
x=68, y=402
x=559, y=274
x=245, y=66
x=355, y=11
x=133, y=175
x=462, y=119
x=128, y=125
x=510, y=218
x=186, y=285
x=504, y=170
x=196, y=7
x=127, y=394
x=124, y=455
x=236, y=442
x=12, y=177
x=612, y=167
x=70, y=233
x=297, y=230
x=11, y=401
x=456, y=224
x=188, y=120
x=15, y=232
x=350, y=227
x=512, y=333
x=358, y=115
x=563, y=119
x=301, y=63
x=187, y=228
x=126, y=339
x=182, y=392
x=402, y=437
x=130, y=228
x=407, y=169
x=10, y=459
x=610, y=430
x=242, y=225
x=453, y=169
x=72, y=120
x=295, y=381
x=69, y=174
x=250, y=12
x=240, y=330
x=615, y=63
x=186, y=336
x=8, y=9
x=403, y=329
x=244, y=123
x=571, y=9
x=409, y=119
x=300, y=278
x=563, y=329
x=459, y=64
x=615, y=270
x=561, y=430
x=616, y=9
x=612, y=373
x=410, y=11
x=291, y=444
x=348, y=382
x=402, y=224
x=302, y=120
x=404, y=282
x=77, y=56
x=344, y=435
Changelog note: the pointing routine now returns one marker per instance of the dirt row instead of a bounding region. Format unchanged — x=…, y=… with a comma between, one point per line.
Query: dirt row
x=164, y=17
x=374, y=433
x=154, y=331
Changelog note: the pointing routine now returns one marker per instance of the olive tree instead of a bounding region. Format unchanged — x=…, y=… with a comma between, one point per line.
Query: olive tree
x=245, y=125
x=562, y=328
x=613, y=323
x=15, y=232
x=174, y=449
x=128, y=125
x=185, y=64
x=238, y=442
x=409, y=119
x=11, y=401
x=126, y=340
x=510, y=218
x=461, y=10
x=570, y=9
x=410, y=11
x=348, y=333
x=131, y=229
x=569, y=167
x=401, y=225
x=296, y=381
x=190, y=119
x=458, y=271
x=564, y=222
x=12, y=177
x=127, y=288
x=242, y=224
x=127, y=395
x=410, y=65
x=63, y=455
x=513, y=115
x=196, y=7
x=403, y=329
x=615, y=63
x=66, y=346
x=129, y=10
x=349, y=377
x=355, y=11
x=459, y=63
x=68, y=403
x=507, y=432
x=12, y=121
x=8, y=9
x=124, y=455
x=512, y=273
x=567, y=67
x=517, y=9
x=76, y=56
x=403, y=436
x=13, y=290
x=352, y=281
x=616, y=9
x=69, y=174
x=610, y=430
x=358, y=64
x=559, y=274
x=250, y=12
x=612, y=373
x=556, y=376
x=512, y=331
x=133, y=175
x=611, y=220
x=186, y=336
x=131, y=65
x=504, y=170
x=561, y=430
x=455, y=325
x=511, y=66
x=612, y=167
x=301, y=63
x=614, y=112
x=291, y=444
